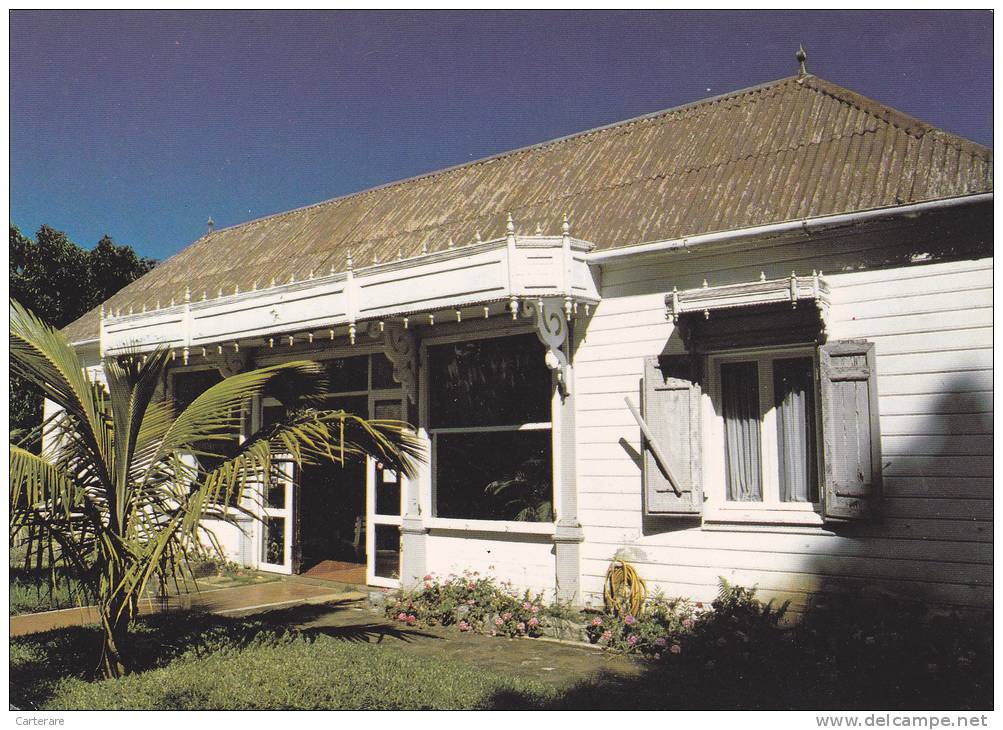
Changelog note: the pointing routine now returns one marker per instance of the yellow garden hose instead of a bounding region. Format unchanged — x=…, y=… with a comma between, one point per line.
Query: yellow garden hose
x=625, y=591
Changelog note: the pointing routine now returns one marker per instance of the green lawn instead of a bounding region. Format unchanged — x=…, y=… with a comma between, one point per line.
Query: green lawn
x=228, y=664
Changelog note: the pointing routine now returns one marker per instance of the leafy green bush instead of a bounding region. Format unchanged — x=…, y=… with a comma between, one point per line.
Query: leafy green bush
x=903, y=645
x=471, y=602
x=659, y=629
x=216, y=566
x=32, y=591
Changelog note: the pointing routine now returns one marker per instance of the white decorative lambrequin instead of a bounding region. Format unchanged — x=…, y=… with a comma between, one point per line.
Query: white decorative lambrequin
x=708, y=299
x=500, y=271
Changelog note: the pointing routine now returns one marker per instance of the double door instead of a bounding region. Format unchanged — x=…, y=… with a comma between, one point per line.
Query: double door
x=345, y=514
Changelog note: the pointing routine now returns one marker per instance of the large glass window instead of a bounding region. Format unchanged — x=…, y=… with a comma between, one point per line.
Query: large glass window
x=768, y=407
x=489, y=412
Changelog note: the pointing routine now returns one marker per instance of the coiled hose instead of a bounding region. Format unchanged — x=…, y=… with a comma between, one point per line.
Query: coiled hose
x=625, y=590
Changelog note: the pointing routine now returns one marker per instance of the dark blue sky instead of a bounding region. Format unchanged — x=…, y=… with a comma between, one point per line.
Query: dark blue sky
x=141, y=125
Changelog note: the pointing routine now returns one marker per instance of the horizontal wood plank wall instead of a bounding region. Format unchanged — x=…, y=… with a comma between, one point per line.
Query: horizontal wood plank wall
x=932, y=325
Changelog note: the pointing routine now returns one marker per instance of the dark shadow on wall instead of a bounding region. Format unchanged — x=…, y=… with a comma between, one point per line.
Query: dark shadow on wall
x=937, y=502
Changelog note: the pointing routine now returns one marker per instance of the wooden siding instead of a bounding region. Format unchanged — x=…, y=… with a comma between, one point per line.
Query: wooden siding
x=932, y=327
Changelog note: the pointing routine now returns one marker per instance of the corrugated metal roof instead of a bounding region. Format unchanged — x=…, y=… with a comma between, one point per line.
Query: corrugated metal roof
x=789, y=149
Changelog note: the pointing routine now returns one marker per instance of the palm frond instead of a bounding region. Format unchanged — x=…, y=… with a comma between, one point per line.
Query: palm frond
x=40, y=355
x=215, y=415
x=35, y=480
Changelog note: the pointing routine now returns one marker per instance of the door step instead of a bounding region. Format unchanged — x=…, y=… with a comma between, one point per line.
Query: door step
x=335, y=585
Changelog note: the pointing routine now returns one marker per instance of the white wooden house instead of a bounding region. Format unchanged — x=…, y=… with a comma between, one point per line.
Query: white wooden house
x=792, y=284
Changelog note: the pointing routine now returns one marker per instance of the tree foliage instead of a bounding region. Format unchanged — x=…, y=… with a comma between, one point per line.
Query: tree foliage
x=60, y=281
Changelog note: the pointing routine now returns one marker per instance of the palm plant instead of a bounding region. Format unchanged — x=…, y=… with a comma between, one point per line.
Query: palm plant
x=114, y=499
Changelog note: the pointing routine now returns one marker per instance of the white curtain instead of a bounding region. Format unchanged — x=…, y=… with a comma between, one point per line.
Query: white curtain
x=794, y=396
x=740, y=406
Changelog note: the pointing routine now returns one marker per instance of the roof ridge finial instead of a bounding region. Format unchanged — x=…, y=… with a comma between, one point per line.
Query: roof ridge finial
x=509, y=224
x=211, y=225
x=801, y=56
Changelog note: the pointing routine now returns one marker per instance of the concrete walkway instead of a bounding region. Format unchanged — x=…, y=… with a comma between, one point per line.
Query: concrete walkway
x=555, y=663
x=230, y=601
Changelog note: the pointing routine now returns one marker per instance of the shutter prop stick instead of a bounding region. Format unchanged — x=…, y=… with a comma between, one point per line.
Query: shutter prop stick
x=653, y=445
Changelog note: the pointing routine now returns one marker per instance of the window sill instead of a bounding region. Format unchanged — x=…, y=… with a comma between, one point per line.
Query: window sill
x=499, y=526
x=762, y=519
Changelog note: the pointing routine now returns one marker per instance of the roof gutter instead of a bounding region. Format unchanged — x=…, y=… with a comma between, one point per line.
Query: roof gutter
x=805, y=224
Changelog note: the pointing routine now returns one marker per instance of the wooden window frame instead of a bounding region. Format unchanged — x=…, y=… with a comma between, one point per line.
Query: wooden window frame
x=428, y=496
x=771, y=510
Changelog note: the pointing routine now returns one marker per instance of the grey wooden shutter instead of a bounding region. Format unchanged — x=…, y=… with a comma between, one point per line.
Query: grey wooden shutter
x=851, y=431
x=672, y=411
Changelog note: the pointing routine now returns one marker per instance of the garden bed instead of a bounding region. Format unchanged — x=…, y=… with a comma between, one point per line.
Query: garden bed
x=845, y=652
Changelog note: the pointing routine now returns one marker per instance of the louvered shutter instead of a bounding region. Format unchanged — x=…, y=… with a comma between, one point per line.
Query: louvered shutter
x=851, y=432
x=672, y=411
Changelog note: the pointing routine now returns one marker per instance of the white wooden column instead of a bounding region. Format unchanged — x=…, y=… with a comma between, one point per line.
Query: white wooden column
x=568, y=533
x=414, y=532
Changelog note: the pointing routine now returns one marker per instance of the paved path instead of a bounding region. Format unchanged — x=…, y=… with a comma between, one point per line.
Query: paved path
x=231, y=601
x=556, y=663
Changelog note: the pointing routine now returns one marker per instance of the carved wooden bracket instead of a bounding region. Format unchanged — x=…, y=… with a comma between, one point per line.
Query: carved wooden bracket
x=552, y=328
x=228, y=362
x=401, y=348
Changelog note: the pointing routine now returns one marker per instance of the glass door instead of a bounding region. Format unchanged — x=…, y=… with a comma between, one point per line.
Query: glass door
x=384, y=502
x=276, y=528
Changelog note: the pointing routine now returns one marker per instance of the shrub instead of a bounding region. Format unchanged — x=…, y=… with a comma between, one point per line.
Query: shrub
x=31, y=590
x=903, y=644
x=471, y=602
x=658, y=630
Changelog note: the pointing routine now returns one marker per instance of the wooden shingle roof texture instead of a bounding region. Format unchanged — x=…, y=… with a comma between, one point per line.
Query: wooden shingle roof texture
x=795, y=148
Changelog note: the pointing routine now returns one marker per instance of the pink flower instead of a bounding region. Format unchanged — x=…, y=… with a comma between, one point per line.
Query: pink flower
x=676, y=649
x=464, y=626
x=632, y=639
x=506, y=616
x=535, y=609
x=699, y=604
x=660, y=641
x=520, y=626
x=629, y=620
x=411, y=620
x=526, y=606
x=597, y=621
x=427, y=577
x=471, y=602
x=534, y=621
x=402, y=616
x=607, y=635
x=498, y=622
x=687, y=623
